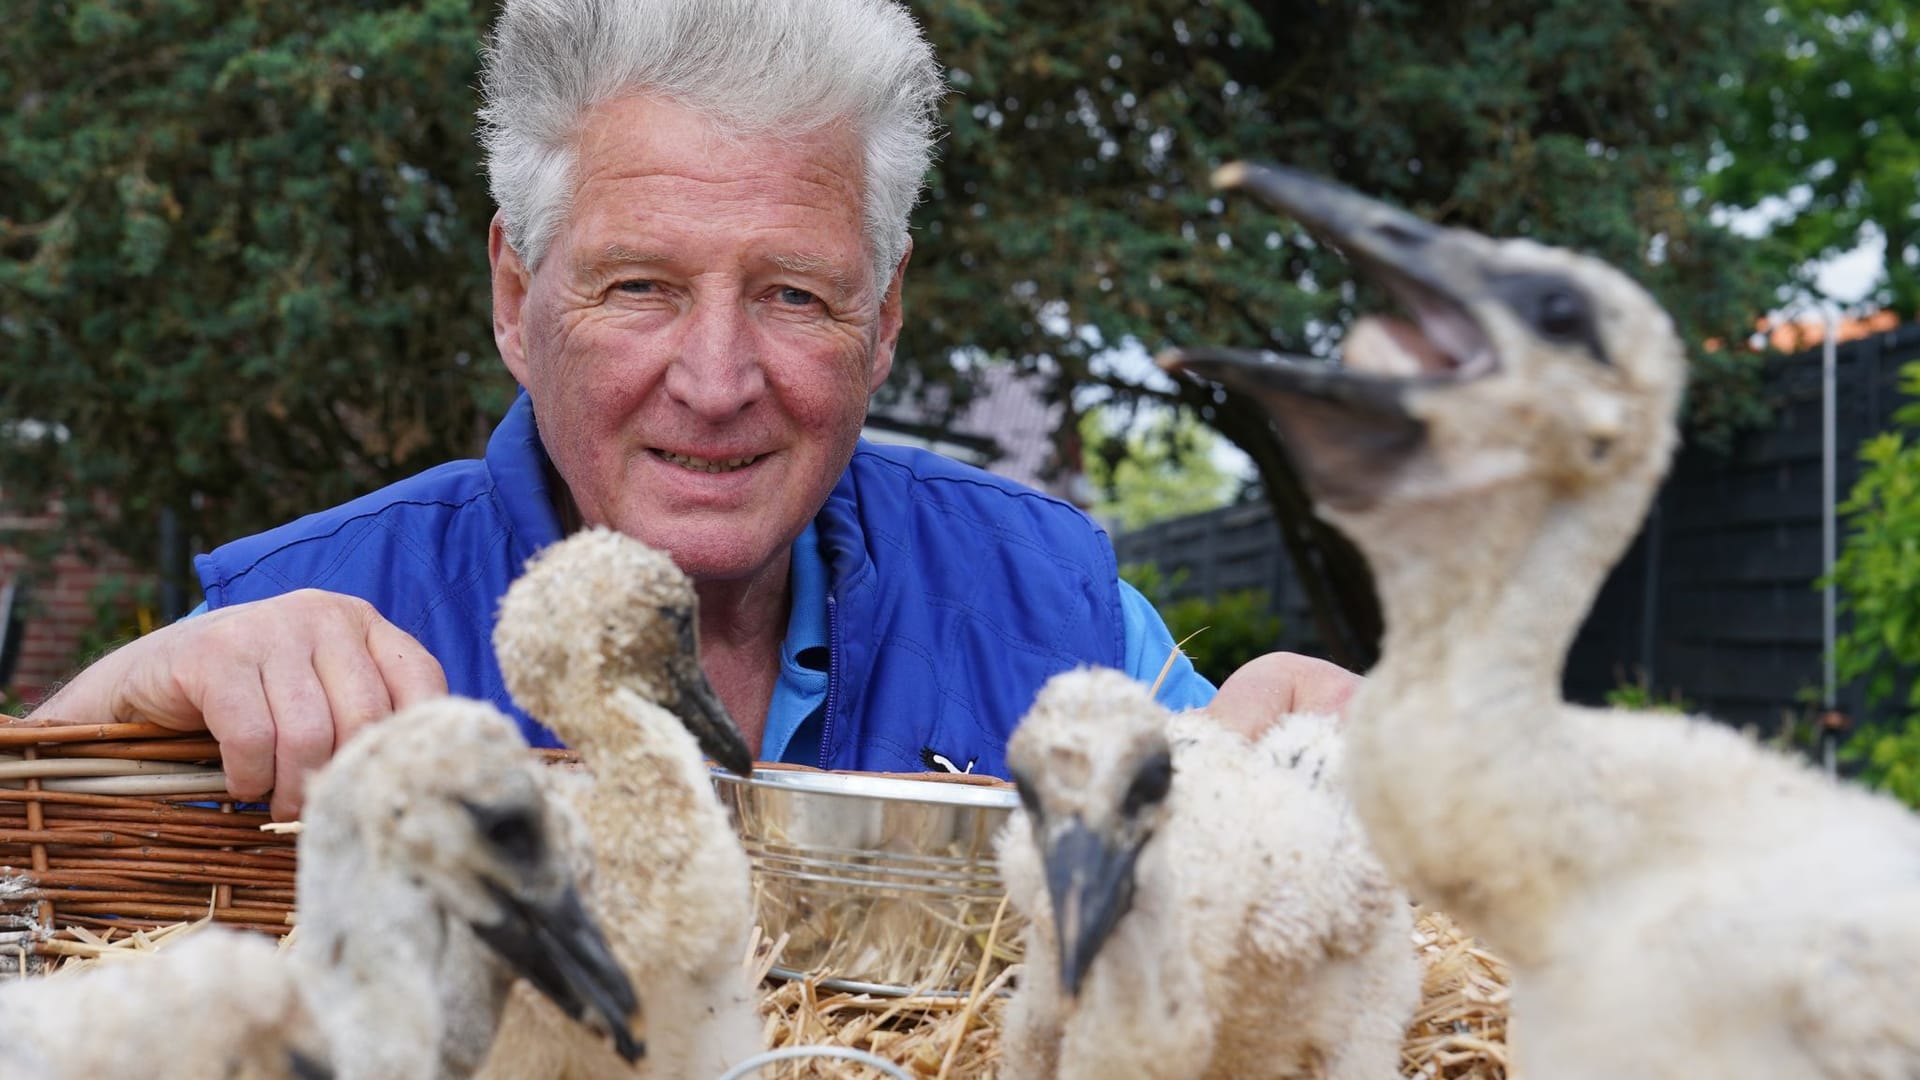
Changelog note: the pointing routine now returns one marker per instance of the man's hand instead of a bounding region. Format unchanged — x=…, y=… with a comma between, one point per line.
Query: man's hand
x=279, y=683
x=1269, y=687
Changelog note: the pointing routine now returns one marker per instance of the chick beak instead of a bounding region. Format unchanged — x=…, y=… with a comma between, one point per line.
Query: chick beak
x=1348, y=432
x=1351, y=431
x=1381, y=238
x=303, y=1066
x=1090, y=878
x=556, y=946
x=699, y=707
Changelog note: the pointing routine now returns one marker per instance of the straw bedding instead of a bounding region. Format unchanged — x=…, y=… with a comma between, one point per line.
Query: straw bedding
x=103, y=860
x=1459, y=1032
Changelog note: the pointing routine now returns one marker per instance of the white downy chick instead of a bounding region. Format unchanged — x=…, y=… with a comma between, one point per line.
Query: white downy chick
x=218, y=1003
x=1675, y=901
x=1200, y=906
x=429, y=879
x=598, y=640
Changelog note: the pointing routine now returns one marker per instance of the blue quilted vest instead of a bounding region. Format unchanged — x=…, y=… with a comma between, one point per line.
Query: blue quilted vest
x=952, y=594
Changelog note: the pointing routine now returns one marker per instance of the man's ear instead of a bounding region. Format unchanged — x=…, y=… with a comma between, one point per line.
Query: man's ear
x=890, y=319
x=511, y=279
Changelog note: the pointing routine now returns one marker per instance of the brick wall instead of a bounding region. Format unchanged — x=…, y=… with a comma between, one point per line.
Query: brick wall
x=58, y=606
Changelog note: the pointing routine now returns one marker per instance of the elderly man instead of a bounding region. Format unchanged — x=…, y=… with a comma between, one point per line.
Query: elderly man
x=697, y=266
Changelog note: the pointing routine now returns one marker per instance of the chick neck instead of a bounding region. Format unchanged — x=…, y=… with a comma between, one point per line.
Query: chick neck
x=1477, y=795
x=1494, y=585
x=661, y=839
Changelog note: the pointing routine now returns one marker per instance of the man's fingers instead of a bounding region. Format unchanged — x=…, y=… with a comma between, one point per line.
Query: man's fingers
x=237, y=714
x=280, y=683
x=302, y=725
x=412, y=674
x=356, y=688
x=1318, y=685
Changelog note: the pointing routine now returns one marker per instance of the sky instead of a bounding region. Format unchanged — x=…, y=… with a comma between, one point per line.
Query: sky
x=1850, y=277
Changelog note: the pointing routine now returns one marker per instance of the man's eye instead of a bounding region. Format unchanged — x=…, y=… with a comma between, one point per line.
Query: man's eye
x=638, y=286
x=797, y=297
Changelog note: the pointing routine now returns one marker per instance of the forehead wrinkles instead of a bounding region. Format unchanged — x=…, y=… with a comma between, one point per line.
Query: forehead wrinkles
x=712, y=151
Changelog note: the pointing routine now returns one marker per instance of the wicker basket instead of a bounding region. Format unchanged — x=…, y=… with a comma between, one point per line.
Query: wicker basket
x=122, y=827
x=109, y=828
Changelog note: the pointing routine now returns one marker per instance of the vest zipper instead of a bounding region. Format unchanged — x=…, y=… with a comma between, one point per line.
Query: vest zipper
x=833, y=678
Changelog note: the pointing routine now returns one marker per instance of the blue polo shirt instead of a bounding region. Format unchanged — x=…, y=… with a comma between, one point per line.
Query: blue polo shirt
x=801, y=690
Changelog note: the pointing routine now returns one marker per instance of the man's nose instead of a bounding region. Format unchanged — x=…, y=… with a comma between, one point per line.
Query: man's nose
x=717, y=371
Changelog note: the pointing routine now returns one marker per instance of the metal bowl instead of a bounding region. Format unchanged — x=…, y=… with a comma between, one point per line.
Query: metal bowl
x=883, y=884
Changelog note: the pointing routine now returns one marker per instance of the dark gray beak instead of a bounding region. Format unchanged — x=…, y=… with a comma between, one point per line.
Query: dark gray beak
x=699, y=707
x=1090, y=878
x=557, y=947
x=1350, y=431
x=302, y=1066
x=1385, y=240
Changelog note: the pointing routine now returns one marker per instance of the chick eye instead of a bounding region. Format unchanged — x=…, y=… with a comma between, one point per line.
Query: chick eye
x=1561, y=316
x=512, y=831
x=1150, y=784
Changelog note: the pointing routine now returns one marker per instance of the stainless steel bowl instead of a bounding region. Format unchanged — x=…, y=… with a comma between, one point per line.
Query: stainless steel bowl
x=884, y=885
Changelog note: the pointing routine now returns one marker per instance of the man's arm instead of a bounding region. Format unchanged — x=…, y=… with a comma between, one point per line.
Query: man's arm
x=1269, y=687
x=278, y=682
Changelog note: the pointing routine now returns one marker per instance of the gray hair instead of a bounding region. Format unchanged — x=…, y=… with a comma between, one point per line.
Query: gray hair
x=749, y=66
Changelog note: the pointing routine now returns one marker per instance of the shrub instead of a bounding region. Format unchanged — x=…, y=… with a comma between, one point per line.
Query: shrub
x=1232, y=628
x=1638, y=693
x=1877, y=575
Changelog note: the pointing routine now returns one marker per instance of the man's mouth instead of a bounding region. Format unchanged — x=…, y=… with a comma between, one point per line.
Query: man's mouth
x=706, y=465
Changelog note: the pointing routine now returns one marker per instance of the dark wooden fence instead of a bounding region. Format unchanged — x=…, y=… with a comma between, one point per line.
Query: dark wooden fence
x=1715, y=600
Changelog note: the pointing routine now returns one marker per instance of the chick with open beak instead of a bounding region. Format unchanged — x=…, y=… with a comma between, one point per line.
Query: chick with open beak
x=1508, y=348
x=1623, y=862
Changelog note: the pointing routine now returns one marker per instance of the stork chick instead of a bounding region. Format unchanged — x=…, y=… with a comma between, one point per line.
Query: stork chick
x=219, y=1003
x=1199, y=906
x=428, y=881
x=1675, y=901
x=598, y=640
x=434, y=871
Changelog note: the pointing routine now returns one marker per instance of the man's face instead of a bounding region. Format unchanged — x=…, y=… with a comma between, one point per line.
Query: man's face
x=702, y=335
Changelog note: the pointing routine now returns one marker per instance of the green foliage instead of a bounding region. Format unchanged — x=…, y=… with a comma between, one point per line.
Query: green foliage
x=1227, y=630
x=1160, y=466
x=1073, y=193
x=1877, y=575
x=242, y=257
x=1638, y=693
x=122, y=608
x=1826, y=118
x=1890, y=759
x=242, y=245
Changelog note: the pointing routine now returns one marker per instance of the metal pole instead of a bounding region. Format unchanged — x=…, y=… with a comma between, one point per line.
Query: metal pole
x=173, y=563
x=1829, y=498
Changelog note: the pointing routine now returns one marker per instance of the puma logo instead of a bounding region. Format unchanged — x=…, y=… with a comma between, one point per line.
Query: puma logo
x=938, y=762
